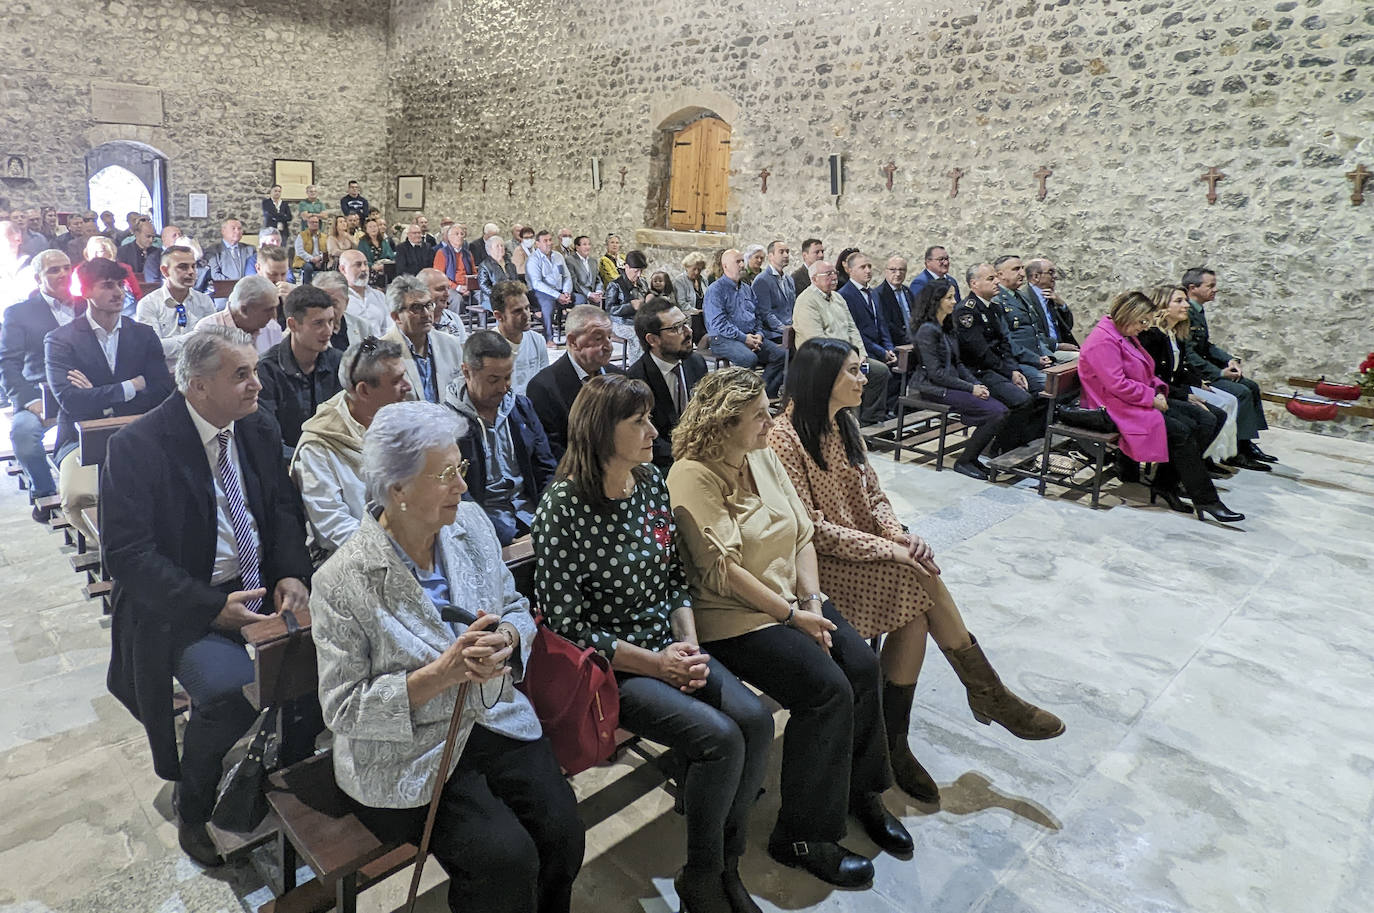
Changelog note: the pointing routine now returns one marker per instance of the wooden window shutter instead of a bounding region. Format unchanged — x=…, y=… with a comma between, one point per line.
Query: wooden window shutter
x=683, y=211
x=700, y=176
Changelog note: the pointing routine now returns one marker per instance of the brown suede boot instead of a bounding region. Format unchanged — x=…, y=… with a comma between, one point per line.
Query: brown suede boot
x=990, y=700
x=906, y=770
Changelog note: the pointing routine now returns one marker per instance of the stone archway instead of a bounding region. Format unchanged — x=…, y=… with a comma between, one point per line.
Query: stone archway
x=675, y=118
x=143, y=161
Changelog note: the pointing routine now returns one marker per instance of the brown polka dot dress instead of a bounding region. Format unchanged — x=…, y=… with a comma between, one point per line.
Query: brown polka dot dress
x=855, y=529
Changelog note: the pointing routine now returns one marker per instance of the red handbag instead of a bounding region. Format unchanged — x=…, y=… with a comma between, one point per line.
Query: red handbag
x=1309, y=411
x=575, y=695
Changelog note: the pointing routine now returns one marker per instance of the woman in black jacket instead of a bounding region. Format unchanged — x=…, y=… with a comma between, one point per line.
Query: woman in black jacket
x=940, y=377
x=1167, y=342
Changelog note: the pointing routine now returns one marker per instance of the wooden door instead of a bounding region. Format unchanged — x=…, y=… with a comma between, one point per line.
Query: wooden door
x=699, y=179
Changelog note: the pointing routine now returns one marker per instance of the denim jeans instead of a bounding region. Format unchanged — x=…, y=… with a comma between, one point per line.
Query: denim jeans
x=26, y=434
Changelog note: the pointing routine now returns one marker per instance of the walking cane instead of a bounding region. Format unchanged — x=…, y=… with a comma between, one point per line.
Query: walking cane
x=440, y=776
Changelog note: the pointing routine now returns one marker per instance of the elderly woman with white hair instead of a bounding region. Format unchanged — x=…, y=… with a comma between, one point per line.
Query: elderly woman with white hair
x=754, y=257
x=497, y=267
x=417, y=601
x=691, y=285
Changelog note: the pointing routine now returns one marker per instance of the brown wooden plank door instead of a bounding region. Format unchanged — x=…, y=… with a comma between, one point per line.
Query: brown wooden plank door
x=684, y=211
x=714, y=178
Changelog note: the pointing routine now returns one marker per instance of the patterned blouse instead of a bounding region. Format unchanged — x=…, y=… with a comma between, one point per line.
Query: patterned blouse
x=854, y=519
x=605, y=576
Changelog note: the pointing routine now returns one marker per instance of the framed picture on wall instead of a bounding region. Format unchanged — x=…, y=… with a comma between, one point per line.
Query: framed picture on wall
x=410, y=191
x=294, y=176
x=16, y=167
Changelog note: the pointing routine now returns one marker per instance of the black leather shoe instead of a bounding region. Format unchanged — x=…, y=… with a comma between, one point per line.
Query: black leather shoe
x=1171, y=497
x=1216, y=470
x=829, y=862
x=1219, y=512
x=1244, y=462
x=883, y=827
x=1253, y=451
x=195, y=842
x=972, y=470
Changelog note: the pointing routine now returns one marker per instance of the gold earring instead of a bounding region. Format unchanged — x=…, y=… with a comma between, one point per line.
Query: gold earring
x=403, y=505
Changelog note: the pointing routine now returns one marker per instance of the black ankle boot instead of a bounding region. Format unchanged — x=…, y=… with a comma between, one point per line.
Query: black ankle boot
x=740, y=899
x=906, y=770
x=701, y=892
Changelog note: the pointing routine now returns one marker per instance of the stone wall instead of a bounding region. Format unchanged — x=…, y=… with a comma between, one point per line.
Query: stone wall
x=1128, y=103
x=242, y=84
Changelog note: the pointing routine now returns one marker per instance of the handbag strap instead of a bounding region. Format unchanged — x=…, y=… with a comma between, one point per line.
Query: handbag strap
x=438, y=790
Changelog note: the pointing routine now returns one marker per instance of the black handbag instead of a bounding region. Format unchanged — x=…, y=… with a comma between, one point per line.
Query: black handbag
x=1087, y=419
x=242, y=802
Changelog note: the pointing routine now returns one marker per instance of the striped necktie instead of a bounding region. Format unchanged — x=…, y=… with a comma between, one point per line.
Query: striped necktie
x=238, y=519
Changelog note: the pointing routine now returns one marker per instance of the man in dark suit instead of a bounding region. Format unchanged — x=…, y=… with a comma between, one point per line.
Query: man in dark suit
x=101, y=364
x=509, y=462
x=553, y=389
x=872, y=324
x=202, y=534
x=1025, y=329
x=895, y=300
x=670, y=367
x=1041, y=276
x=775, y=292
x=21, y=365
x=937, y=267
x=141, y=255
x=811, y=250
x=983, y=346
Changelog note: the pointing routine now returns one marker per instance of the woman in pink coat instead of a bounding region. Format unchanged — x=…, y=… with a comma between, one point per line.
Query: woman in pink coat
x=1118, y=375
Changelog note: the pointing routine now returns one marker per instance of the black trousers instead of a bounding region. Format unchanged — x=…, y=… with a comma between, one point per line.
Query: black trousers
x=1188, y=437
x=834, y=749
x=724, y=733
x=986, y=416
x=507, y=830
x=1026, y=419
x=1250, y=420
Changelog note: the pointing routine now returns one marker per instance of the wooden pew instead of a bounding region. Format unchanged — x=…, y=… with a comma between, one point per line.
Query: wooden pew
x=93, y=438
x=1061, y=387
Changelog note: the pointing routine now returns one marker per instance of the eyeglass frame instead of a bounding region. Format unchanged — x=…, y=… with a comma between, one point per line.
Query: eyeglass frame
x=443, y=477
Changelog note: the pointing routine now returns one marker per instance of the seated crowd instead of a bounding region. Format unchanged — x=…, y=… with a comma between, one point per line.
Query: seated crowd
x=361, y=427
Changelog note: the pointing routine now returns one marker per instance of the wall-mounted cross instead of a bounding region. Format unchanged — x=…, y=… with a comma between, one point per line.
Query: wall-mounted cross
x=1357, y=179
x=764, y=175
x=531, y=177
x=887, y=170
x=484, y=185
x=460, y=183
x=510, y=187
x=623, y=172
x=1042, y=175
x=954, y=174
x=1211, y=177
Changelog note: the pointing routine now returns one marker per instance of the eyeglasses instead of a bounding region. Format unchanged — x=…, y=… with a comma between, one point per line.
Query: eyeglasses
x=675, y=327
x=419, y=307
x=939, y=259
x=367, y=346
x=451, y=473
x=824, y=272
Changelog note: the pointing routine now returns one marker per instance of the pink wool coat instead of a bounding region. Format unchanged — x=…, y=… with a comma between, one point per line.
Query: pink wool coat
x=1119, y=375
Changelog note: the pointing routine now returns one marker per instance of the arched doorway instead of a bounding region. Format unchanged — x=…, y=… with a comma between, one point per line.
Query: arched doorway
x=699, y=176
x=123, y=176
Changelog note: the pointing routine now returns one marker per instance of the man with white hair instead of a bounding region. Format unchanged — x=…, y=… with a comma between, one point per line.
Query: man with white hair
x=820, y=311
x=445, y=306
x=227, y=258
x=349, y=329
x=327, y=465
x=432, y=360
x=363, y=300
x=253, y=309
x=174, y=308
x=553, y=389
x=478, y=246
x=202, y=535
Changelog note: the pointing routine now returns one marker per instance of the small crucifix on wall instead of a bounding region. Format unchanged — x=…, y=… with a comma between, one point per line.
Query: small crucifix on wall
x=484, y=185
x=954, y=174
x=764, y=175
x=888, y=169
x=510, y=187
x=1357, y=179
x=460, y=183
x=623, y=171
x=1211, y=177
x=531, y=177
x=1042, y=175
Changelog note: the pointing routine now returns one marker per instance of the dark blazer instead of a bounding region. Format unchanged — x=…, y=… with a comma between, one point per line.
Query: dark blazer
x=775, y=302
x=800, y=279
x=1180, y=380
x=532, y=453
x=221, y=263
x=411, y=258
x=158, y=532
x=74, y=346
x=982, y=344
x=936, y=367
x=552, y=392
x=478, y=248
x=874, y=332
x=664, y=416
x=21, y=348
x=890, y=309
x=147, y=265
x=289, y=395
x=924, y=277
x=1026, y=328
x=277, y=215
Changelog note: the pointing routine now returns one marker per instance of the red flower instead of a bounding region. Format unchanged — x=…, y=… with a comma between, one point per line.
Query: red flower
x=658, y=526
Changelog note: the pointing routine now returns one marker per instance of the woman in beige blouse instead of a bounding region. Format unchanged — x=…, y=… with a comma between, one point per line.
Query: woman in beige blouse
x=340, y=239
x=759, y=610
x=884, y=578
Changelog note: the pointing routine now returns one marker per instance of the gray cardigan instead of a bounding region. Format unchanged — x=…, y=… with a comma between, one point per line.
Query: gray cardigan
x=373, y=624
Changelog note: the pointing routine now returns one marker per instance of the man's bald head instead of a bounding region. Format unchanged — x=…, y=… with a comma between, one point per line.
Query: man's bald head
x=731, y=262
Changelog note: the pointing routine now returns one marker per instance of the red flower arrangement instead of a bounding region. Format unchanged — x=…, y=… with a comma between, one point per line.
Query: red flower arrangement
x=1366, y=380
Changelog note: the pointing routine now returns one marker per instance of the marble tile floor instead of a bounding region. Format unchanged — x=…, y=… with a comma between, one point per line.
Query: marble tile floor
x=1216, y=683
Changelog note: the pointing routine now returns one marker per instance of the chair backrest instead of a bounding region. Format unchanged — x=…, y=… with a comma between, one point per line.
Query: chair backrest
x=93, y=437
x=1061, y=381
x=281, y=670
x=789, y=339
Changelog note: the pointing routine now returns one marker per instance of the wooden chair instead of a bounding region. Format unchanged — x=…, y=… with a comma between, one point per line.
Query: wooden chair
x=932, y=421
x=1062, y=386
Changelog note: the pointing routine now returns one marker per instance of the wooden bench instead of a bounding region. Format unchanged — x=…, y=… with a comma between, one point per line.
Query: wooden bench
x=931, y=420
x=1062, y=386
x=315, y=820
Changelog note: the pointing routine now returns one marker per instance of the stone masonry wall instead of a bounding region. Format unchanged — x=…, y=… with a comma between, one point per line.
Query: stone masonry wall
x=1128, y=103
x=242, y=83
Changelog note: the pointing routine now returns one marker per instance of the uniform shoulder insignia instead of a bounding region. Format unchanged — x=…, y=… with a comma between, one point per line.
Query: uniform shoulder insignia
x=966, y=320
